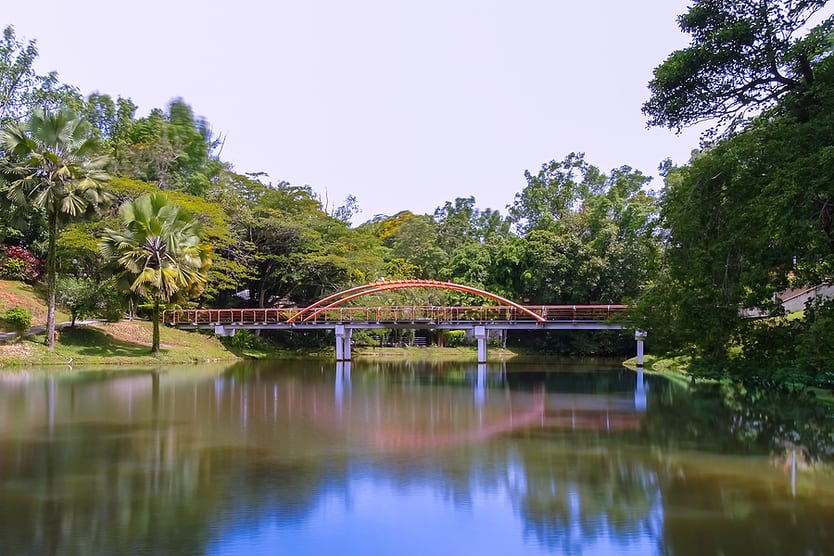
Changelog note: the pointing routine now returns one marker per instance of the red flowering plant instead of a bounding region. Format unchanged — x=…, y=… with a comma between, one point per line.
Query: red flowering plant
x=18, y=263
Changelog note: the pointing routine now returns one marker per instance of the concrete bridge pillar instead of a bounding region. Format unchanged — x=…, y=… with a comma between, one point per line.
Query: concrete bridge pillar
x=481, y=336
x=343, y=342
x=221, y=330
x=640, y=336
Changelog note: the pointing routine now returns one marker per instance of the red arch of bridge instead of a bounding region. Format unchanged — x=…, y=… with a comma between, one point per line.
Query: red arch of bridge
x=337, y=299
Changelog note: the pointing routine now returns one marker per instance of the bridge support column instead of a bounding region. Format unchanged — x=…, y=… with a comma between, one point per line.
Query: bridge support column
x=221, y=330
x=343, y=342
x=640, y=336
x=481, y=336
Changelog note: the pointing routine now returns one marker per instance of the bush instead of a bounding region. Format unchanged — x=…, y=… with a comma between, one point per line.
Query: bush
x=18, y=263
x=79, y=296
x=19, y=319
x=112, y=302
x=454, y=338
x=243, y=339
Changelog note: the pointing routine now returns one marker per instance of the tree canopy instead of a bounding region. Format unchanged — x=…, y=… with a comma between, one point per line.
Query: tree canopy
x=743, y=58
x=52, y=165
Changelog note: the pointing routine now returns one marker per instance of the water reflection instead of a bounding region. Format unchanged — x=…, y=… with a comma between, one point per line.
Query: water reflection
x=387, y=458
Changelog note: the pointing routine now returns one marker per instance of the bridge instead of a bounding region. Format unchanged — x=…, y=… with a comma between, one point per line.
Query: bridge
x=332, y=313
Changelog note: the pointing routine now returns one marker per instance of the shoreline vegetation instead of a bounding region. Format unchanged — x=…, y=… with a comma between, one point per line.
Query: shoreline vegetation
x=126, y=343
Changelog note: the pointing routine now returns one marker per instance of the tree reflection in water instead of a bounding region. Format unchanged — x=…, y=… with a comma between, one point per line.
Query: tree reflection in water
x=555, y=462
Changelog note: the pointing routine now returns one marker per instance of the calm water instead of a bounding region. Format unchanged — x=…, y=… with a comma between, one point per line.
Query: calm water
x=311, y=458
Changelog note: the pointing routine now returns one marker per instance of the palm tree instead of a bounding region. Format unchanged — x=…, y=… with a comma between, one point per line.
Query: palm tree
x=160, y=253
x=52, y=164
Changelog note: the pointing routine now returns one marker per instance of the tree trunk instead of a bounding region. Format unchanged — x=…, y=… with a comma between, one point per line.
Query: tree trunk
x=155, y=318
x=51, y=271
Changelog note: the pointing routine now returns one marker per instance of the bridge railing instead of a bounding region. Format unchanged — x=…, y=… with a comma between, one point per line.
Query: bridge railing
x=390, y=314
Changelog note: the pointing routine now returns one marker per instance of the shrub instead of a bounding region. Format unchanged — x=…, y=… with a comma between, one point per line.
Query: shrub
x=454, y=338
x=18, y=263
x=19, y=319
x=79, y=296
x=111, y=302
x=243, y=339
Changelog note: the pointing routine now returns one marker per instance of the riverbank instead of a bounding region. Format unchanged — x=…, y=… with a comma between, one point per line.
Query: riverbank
x=428, y=353
x=114, y=343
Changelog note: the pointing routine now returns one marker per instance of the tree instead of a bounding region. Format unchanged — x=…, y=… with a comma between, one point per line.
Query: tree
x=21, y=88
x=53, y=165
x=554, y=193
x=747, y=218
x=743, y=58
x=303, y=252
x=160, y=253
x=80, y=296
x=588, y=237
x=173, y=149
x=416, y=241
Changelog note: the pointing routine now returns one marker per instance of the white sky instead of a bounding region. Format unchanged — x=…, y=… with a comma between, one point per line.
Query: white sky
x=404, y=104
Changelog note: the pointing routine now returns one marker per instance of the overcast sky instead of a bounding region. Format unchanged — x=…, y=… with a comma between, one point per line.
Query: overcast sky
x=403, y=104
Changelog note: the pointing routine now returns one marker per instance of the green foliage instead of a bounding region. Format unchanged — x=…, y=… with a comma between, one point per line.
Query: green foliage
x=53, y=166
x=749, y=217
x=814, y=350
x=454, y=338
x=243, y=339
x=81, y=297
x=173, y=149
x=231, y=259
x=77, y=247
x=21, y=87
x=744, y=57
x=159, y=252
x=111, y=304
x=416, y=240
x=303, y=252
x=18, y=319
x=587, y=237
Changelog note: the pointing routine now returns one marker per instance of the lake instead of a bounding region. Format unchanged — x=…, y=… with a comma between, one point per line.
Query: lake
x=379, y=457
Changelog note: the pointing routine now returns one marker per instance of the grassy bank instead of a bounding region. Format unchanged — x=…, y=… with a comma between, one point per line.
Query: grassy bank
x=119, y=343
x=17, y=294
x=672, y=368
x=430, y=353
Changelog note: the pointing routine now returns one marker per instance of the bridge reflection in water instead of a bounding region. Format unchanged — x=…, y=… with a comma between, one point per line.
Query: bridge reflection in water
x=397, y=428
x=189, y=460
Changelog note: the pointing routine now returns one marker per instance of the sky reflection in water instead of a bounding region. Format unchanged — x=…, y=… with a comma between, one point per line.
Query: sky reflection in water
x=304, y=458
x=374, y=517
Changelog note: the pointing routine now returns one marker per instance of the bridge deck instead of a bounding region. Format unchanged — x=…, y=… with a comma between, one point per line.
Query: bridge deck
x=505, y=317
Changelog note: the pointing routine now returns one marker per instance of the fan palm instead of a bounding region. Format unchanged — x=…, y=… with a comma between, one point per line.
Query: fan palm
x=160, y=253
x=52, y=164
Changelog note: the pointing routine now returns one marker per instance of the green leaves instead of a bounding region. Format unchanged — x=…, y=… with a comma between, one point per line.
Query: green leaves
x=21, y=87
x=159, y=251
x=744, y=57
x=50, y=167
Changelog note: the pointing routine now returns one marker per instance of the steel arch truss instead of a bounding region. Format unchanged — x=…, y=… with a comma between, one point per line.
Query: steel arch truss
x=331, y=301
